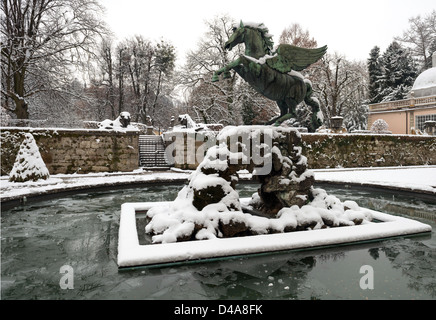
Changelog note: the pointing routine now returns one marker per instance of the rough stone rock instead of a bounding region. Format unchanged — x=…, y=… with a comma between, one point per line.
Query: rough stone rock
x=286, y=184
x=357, y=221
x=208, y=195
x=232, y=228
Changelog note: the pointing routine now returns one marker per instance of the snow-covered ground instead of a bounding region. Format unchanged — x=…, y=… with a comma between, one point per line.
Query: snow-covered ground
x=418, y=178
x=415, y=178
x=65, y=182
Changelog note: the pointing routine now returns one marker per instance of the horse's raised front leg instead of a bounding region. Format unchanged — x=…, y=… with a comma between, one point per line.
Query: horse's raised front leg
x=226, y=70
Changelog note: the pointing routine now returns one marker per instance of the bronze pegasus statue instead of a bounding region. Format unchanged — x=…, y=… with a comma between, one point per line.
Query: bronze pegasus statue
x=274, y=74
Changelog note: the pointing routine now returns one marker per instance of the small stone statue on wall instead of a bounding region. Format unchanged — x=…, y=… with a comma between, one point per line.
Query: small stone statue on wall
x=123, y=121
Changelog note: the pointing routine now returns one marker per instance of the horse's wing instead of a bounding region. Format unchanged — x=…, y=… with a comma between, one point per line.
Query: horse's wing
x=288, y=57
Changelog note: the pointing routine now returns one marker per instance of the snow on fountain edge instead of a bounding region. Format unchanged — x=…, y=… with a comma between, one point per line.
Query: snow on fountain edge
x=131, y=253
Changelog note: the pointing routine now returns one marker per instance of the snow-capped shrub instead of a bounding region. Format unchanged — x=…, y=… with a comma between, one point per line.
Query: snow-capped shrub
x=28, y=165
x=380, y=126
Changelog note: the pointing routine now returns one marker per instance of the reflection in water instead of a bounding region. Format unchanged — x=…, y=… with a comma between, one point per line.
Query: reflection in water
x=277, y=277
x=416, y=261
x=82, y=231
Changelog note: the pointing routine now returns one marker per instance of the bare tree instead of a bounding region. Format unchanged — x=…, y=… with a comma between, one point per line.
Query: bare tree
x=295, y=35
x=164, y=63
x=342, y=87
x=121, y=73
x=149, y=69
x=211, y=102
x=134, y=76
x=104, y=77
x=421, y=38
x=42, y=42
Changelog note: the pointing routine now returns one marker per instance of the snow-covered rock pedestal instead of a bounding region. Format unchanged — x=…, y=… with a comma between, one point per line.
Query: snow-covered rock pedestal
x=209, y=206
x=274, y=157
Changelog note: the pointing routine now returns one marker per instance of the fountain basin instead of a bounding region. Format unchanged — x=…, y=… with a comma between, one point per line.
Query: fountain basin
x=81, y=230
x=131, y=253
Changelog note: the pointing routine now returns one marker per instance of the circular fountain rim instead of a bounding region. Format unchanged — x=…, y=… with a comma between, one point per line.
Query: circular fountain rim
x=12, y=201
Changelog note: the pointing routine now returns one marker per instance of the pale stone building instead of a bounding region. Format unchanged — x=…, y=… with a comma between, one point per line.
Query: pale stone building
x=409, y=115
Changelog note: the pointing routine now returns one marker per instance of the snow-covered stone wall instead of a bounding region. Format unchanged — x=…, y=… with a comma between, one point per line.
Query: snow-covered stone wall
x=332, y=150
x=368, y=150
x=84, y=151
x=74, y=151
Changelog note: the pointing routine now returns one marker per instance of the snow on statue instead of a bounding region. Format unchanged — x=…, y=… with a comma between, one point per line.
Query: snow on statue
x=274, y=73
x=122, y=122
x=28, y=163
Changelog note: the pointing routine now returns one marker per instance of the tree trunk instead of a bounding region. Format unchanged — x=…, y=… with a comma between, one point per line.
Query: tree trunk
x=21, y=109
x=21, y=106
x=156, y=96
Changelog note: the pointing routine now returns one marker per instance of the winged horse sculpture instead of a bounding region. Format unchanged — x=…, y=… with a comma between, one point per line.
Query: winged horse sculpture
x=274, y=74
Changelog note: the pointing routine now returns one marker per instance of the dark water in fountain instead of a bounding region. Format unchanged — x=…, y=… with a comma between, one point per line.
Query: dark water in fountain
x=81, y=231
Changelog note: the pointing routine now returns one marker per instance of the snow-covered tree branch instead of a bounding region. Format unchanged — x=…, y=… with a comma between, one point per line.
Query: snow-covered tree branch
x=42, y=43
x=342, y=87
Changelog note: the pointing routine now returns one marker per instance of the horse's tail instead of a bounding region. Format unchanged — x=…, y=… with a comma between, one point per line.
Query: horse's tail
x=317, y=118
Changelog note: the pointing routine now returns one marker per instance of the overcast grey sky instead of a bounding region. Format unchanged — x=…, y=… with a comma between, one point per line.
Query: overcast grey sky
x=351, y=28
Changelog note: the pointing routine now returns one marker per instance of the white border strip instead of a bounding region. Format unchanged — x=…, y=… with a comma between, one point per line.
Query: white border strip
x=131, y=253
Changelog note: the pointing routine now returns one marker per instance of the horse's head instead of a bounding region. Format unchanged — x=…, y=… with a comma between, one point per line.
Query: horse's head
x=258, y=41
x=236, y=38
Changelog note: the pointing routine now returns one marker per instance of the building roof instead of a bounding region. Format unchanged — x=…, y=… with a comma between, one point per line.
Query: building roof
x=425, y=84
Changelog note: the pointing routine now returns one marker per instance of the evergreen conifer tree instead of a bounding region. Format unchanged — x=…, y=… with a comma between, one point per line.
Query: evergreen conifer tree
x=399, y=73
x=375, y=72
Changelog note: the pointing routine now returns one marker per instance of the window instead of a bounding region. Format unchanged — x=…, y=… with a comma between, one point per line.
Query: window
x=420, y=120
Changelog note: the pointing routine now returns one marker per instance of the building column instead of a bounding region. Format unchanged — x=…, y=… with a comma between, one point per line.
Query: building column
x=411, y=121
